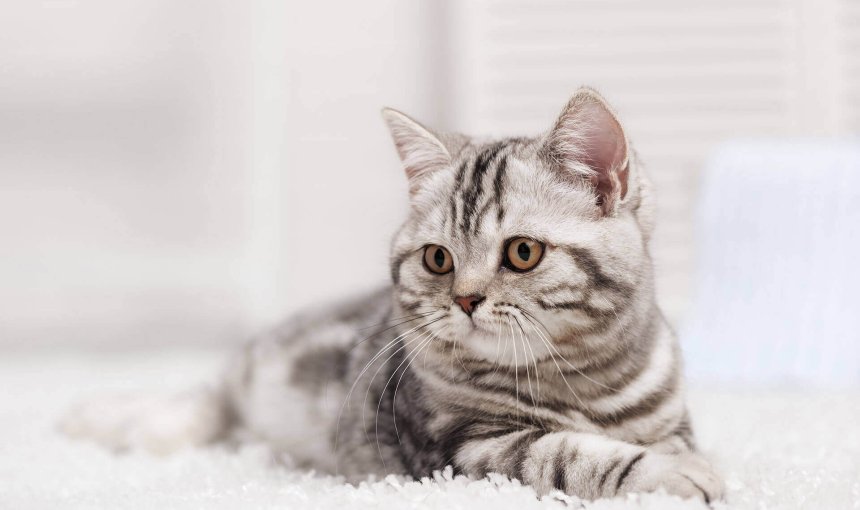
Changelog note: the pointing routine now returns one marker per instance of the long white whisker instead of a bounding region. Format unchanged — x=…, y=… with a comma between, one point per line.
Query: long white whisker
x=560, y=355
x=382, y=352
x=523, y=343
x=381, y=366
x=497, y=361
x=393, y=319
x=347, y=399
x=534, y=358
x=516, y=371
x=560, y=371
x=429, y=336
x=418, y=351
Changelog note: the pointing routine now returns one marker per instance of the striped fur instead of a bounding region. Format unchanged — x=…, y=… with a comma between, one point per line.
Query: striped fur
x=566, y=377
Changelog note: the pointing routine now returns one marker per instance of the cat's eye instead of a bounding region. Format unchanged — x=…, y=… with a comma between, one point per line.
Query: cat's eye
x=437, y=259
x=523, y=254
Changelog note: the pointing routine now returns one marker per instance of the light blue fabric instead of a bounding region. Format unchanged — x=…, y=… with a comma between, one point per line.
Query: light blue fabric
x=777, y=295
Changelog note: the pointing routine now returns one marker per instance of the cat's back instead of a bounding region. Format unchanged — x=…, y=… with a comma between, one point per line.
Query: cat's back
x=314, y=343
x=320, y=323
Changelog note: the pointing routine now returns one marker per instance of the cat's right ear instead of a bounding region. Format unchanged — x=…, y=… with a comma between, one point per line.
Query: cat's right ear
x=421, y=152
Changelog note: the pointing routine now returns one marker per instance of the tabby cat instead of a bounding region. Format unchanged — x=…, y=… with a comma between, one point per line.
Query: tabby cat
x=520, y=334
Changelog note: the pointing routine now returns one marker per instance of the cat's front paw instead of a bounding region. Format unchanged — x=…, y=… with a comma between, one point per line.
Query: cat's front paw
x=686, y=475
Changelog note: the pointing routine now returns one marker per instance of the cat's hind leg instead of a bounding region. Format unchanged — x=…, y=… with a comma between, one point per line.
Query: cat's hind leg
x=158, y=424
x=289, y=395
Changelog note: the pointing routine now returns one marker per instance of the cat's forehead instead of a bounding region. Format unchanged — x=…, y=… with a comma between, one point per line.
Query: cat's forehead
x=498, y=190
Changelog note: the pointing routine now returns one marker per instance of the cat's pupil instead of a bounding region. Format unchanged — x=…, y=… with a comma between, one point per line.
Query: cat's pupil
x=439, y=258
x=524, y=251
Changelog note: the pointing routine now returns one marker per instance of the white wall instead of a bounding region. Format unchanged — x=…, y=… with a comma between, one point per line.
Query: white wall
x=342, y=190
x=122, y=140
x=182, y=172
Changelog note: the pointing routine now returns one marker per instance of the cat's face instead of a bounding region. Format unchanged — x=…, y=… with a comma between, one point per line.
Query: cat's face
x=517, y=249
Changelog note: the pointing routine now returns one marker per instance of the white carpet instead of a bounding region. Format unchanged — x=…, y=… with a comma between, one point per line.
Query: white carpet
x=778, y=450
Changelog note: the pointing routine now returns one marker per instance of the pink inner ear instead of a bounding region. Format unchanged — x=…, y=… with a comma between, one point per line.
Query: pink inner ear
x=606, y=153
x=605, y=139
x=604, y=149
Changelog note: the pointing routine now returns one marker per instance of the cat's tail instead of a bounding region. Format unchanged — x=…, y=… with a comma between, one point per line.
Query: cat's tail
x=160, y=425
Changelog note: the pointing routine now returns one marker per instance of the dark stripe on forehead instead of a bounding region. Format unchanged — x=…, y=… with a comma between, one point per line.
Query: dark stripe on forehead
x=452, y=198
x=471, y=194
x=495, y=197
x=461, y=174
x=498, y=188
x=480, y=216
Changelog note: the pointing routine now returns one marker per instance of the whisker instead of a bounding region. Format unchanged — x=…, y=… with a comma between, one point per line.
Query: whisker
x=516, y=373
x=415, y=315
x=404, y=345
x=382, y=393
x=523, y=343
x=385, y=348
x=498, y=345
x=572, y=367
x=505, y=350
x=429, y=335
x=534, y=358
x=459, y=360
x=535, y=397
x=347, y=399
x=418, y=351
x=552, y=357
x=365, y=339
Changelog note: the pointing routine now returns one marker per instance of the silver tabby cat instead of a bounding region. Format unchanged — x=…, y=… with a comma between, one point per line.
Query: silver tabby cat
x=520, y=334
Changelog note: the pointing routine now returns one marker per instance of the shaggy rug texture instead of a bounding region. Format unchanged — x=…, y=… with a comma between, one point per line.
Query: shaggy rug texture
x=782, y=449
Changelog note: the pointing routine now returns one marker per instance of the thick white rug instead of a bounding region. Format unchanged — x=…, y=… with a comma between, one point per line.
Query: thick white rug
x=777, y=450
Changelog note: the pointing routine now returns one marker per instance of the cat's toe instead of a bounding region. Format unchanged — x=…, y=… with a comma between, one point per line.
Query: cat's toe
x=688, y=476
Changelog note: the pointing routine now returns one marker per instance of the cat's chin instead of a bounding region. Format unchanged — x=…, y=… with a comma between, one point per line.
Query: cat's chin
x=481, y=325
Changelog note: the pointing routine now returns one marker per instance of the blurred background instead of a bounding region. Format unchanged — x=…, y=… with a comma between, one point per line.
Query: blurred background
x=186, y=173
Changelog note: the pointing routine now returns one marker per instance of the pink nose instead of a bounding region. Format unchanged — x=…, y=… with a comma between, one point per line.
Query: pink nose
x=468, y=303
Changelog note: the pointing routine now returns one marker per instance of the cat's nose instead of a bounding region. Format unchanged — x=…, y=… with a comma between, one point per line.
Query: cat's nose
x=468, y=303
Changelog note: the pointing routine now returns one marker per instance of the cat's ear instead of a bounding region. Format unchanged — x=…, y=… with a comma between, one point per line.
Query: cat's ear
x=588, y=142
x=421, y=152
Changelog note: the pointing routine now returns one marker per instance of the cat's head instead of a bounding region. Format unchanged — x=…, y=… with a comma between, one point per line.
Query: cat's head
x=518, y=248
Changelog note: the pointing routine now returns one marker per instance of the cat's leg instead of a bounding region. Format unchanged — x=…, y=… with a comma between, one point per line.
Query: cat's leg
x=282, y=393
x=285, y=395
x=285, y=388
x=289, y=394
x=160, y=424
x=588, y=465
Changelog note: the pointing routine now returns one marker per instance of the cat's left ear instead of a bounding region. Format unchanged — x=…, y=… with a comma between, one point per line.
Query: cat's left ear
x=588, y=142
x=421, y=151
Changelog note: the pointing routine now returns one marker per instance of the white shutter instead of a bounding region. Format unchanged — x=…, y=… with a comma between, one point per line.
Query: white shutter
x=683, y=75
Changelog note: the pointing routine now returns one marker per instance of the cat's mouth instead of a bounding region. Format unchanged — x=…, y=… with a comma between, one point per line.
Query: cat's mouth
x=485, y=326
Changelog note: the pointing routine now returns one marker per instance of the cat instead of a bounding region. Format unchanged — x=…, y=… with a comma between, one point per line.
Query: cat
x=520, y=333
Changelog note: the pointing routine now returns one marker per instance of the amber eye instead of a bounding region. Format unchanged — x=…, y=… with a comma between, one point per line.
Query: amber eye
x=523, y=254
x=437, y=259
